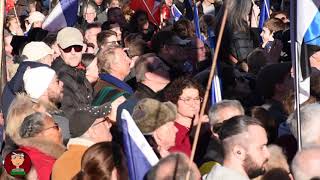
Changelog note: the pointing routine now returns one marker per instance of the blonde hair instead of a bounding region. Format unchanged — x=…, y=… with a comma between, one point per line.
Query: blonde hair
x=21, y=107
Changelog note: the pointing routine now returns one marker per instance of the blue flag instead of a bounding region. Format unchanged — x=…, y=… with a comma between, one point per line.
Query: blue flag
x=264, y=12
x=216, y=85
x=140, y=156
x=64, y=14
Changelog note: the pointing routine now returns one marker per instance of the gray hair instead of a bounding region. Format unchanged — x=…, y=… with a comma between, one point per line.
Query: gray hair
x=180, y=168
x=214, y=115
x=309, y=116
x=32, y=125
x=306, y=163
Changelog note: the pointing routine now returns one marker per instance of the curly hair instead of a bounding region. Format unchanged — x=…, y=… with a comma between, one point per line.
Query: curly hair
x=175, y=89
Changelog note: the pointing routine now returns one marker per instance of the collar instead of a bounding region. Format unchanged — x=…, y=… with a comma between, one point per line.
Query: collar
x=80, y=141
x=116, y=82
x=145, y=90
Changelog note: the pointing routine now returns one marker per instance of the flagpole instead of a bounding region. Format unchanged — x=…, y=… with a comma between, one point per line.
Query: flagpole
x=3, y=78
x=295, y=56
x=297, y=96
x=204, y=103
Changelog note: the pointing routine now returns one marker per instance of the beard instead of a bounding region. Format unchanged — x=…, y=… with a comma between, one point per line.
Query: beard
x=252, y=168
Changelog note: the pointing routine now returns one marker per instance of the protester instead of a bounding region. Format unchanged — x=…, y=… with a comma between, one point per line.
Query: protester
x=77, y=89
x=88, y=125
x=174, y=166
x=187, y=95
x=91, y=63
x=114, y=65
x=104, y=160
x=309, y=134
x=37, y=54
x=42, y=141
x=244, y=142
x=305, y=164
x=155, y=121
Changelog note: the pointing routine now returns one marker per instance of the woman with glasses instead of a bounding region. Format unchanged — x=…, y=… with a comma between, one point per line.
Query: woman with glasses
x=41, y=140
x=187, y=95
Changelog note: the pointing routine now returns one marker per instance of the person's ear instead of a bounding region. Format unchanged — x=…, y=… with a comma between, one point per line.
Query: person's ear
x=239, y=152
x=84, y=48
x=148, y=75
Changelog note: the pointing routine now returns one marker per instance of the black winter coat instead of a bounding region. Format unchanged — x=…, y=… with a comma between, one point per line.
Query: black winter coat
x=77, y=90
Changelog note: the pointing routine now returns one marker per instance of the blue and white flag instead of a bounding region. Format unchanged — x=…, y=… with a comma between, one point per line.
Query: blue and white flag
x=264, y=12
x=305, y=31
x=216, y=85
x=64, y=14
x=140, y=155
x=175, y=12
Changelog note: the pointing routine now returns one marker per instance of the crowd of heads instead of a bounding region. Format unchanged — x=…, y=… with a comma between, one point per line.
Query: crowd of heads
x=69, y=91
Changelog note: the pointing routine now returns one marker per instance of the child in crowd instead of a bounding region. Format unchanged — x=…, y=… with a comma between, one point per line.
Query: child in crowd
x=271, y=45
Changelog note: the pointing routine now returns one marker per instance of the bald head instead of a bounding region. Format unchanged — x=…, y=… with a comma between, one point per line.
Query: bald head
x=306, y=164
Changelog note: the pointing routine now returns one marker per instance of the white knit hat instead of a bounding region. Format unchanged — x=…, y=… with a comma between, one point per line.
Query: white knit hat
x=35, y=17
x=37, y=80
x=36, y=50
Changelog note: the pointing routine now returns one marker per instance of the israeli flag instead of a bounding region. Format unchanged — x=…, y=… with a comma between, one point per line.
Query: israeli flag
x=64, y=14
x=140, y=155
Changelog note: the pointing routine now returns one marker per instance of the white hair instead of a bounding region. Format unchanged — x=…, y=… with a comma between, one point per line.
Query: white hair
x=309, y=118
x=306, y=164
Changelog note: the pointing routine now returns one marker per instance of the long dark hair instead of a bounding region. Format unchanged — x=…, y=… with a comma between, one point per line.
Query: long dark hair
x=238, y=11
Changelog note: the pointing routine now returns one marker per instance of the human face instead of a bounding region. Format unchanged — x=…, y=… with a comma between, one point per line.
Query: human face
x=55, y=90
x=266, y=35
x=114, y=3
x=168, y=2
x=257, y=154
x=90, y=14
x=189, y=102
x=117, y=16
x=110, y=41
x=72, y=58
x=122, y=63
x=167, y=135
x=92, y=72
x=100, y=129
x=51, y=131
x=91, y=35
x=199, y=51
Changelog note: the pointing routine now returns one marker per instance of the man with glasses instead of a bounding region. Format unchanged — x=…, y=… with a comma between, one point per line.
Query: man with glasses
x=77, y=89
x=88, y=126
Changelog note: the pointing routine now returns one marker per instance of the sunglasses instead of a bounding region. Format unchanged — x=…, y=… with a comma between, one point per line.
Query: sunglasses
x=56, y=127
x=77, y=48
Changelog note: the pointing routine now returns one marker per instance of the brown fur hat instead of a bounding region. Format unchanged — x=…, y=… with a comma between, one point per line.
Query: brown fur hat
x=149, y=114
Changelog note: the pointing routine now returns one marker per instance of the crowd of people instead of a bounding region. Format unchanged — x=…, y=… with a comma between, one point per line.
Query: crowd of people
x=66, y=92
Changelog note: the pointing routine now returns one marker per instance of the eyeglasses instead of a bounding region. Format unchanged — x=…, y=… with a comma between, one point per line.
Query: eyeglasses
x=104, y=120
x=77, y=48
x=56, y=126
x=191, y=100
